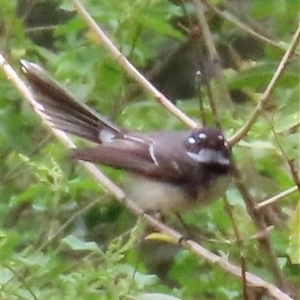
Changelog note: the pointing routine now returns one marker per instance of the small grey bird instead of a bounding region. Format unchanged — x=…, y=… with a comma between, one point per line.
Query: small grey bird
x=167, y=171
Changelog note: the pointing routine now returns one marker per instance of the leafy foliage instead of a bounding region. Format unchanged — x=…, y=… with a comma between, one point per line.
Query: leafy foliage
x=62, y=235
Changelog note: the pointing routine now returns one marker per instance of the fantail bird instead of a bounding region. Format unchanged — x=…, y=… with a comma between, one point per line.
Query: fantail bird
x=168, y=171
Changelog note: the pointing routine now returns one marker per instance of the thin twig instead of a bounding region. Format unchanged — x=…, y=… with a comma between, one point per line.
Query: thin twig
x=112, y=188
x=22, y=280
x=225, y=265
x=276, y=198
x=240, y=245
x=222, y=89
x=130, y=69
x=290, y=162
x=78, y=213
x=245, y=287
x=239, y=24
x=242, y=132
x=261, y=227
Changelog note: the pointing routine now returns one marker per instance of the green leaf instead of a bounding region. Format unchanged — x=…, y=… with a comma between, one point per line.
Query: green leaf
x=78, y=245
x=155, y=296
x=28, y=195
x=159, y=25
x=288, y=122
x=294, y=246
x=37, y=259
x=8, y=242
x=260, y=75
x=6, y=275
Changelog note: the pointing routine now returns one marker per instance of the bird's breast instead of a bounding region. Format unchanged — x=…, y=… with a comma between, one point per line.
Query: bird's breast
x=153, y=195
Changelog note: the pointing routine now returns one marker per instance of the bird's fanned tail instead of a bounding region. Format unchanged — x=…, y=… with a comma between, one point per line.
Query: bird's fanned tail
x=61, y=110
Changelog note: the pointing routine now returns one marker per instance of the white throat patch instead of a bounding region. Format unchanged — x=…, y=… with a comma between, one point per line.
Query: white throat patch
x=209, y=156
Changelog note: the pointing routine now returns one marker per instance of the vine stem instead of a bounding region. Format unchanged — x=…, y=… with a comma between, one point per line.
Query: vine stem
x=242, y=132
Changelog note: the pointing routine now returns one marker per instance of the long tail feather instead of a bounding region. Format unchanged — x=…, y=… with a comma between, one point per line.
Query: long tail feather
x=60, y=108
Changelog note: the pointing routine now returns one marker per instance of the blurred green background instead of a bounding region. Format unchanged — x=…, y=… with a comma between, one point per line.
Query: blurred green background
x=62, y=235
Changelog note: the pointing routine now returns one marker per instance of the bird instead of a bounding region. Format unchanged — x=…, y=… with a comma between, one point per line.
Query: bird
x=165, y=170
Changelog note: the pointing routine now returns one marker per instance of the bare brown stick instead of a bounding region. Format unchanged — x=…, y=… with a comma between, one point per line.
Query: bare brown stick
x=112, y=188
x=130, y=69
x=214, y=57
x=240, y=245
x=262, y=230
x=242, y=132
x=276, y=197
x=225, y=265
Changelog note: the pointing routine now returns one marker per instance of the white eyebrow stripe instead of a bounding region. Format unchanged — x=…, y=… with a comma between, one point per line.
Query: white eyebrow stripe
x=209, y=156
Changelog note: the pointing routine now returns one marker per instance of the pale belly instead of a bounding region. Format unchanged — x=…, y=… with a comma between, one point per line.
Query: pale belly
x=152, y=195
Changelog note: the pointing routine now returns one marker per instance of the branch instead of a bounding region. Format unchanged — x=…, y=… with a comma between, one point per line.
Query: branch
x=290, y=162
x=130, y=69
x=215, y=59
x=261, y=227
x=276, y=197
x=242, y=132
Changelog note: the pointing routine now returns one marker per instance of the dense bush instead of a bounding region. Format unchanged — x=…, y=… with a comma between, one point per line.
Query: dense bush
x=63, y=236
